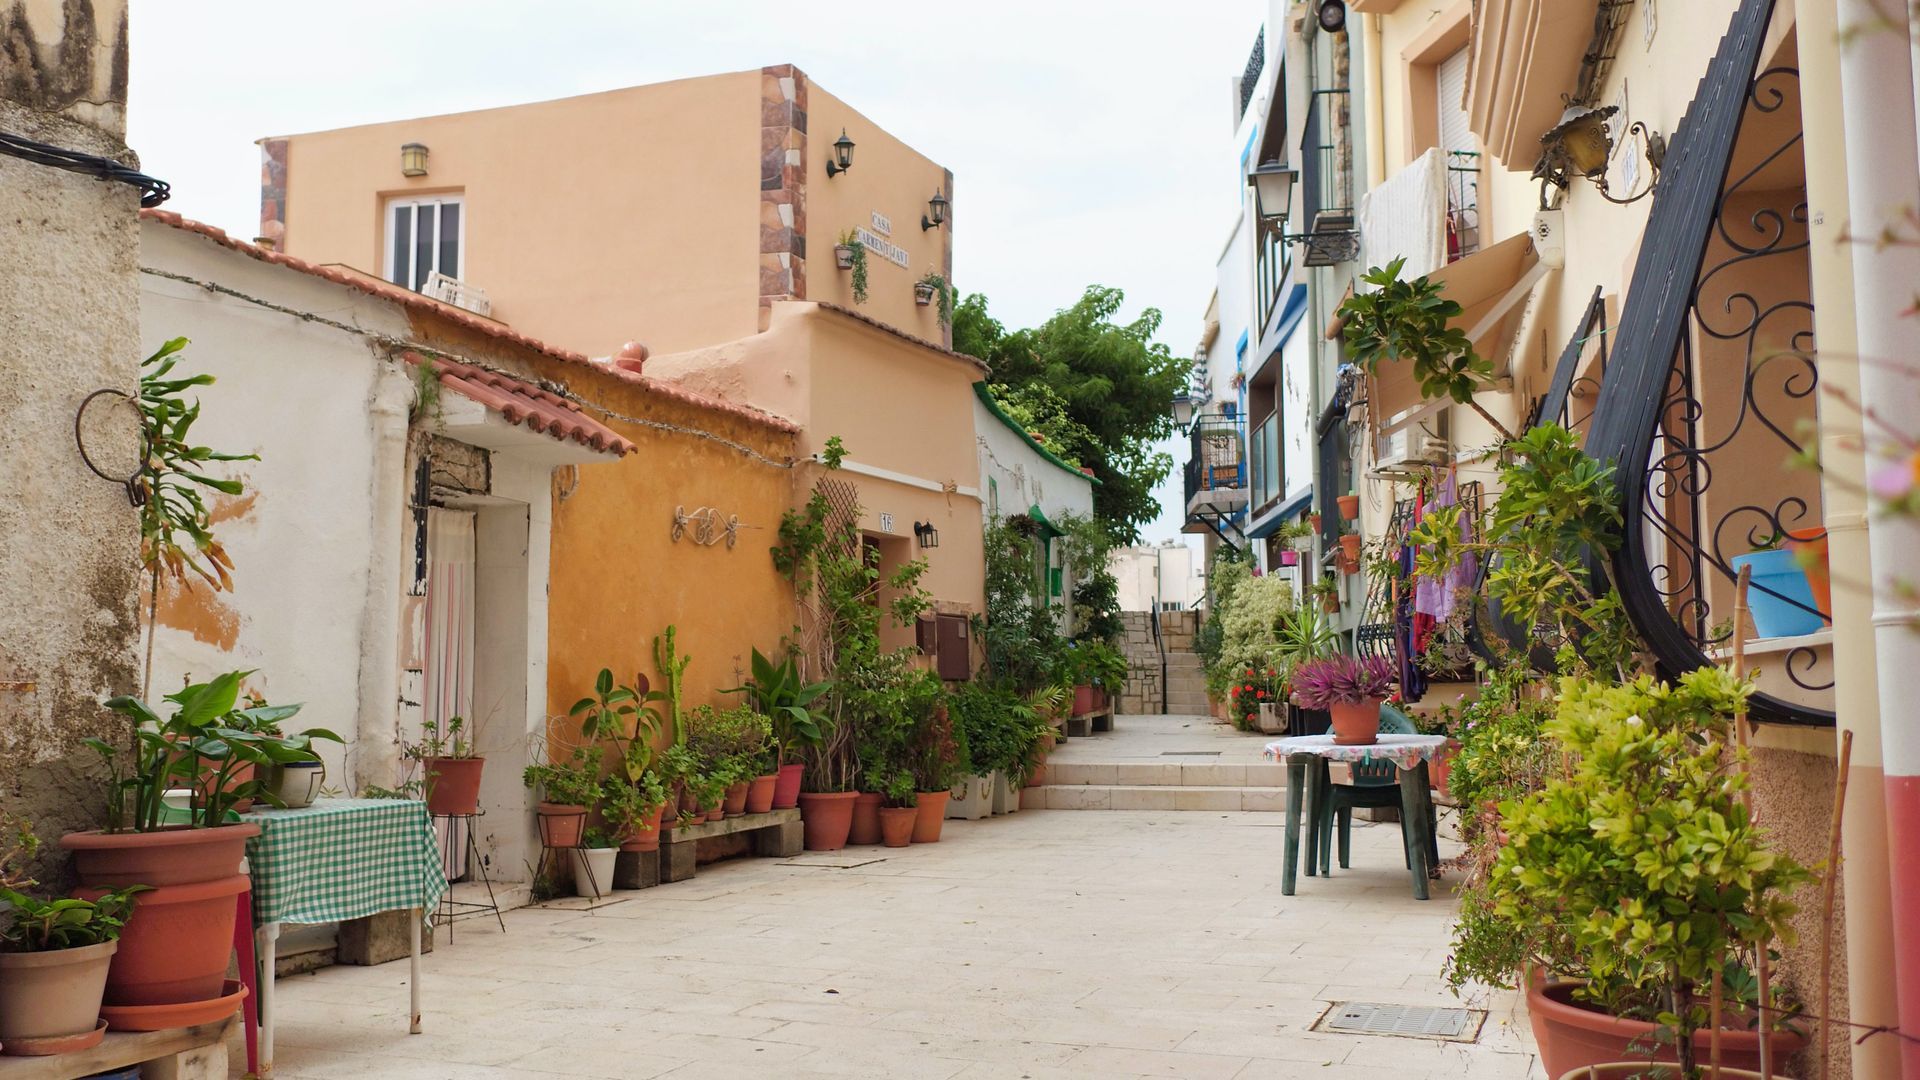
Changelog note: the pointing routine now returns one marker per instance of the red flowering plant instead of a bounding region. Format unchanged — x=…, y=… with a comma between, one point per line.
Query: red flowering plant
x=1256, y=686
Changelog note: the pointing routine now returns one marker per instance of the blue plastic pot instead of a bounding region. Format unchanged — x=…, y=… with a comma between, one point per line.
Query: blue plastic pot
x=131, y=1072
x=1778, y=586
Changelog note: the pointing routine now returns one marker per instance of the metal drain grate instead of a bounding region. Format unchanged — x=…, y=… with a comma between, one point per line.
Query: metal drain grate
x=1406, y=1021
x=1189, y=753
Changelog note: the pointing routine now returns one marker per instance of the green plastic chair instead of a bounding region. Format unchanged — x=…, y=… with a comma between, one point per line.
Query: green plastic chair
x=1374, y=784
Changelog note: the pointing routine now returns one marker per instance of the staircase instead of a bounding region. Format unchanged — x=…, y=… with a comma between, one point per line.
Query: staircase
x=1155, y=762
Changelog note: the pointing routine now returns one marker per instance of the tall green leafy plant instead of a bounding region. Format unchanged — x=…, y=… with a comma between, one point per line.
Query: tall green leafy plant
x=779, y=692
x=1411, y=321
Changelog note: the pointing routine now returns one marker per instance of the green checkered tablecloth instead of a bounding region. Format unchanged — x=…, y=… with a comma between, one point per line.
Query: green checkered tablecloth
x=343, y=859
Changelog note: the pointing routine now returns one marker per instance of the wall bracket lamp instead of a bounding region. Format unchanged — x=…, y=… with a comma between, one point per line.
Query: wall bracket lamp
x=925, y=534
x=936, y=214
x=1581, y=145
x=413, y=159
x=842, y=159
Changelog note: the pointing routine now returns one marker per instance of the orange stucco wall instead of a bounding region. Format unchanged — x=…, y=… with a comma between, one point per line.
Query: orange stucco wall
x=589, y=220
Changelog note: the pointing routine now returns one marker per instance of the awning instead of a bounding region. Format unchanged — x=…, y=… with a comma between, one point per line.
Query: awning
x=1491, y=286
x=1048, y=530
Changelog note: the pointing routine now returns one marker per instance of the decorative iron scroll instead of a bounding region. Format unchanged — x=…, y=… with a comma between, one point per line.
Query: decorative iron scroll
x=1673, y=412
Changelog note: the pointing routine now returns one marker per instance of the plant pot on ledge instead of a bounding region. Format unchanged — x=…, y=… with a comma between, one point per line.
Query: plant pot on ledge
x=786, y=788
x=760, y=793
x=50, y=1001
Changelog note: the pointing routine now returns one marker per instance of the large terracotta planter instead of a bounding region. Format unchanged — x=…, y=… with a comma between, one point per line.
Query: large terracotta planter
x=51, y=995
x=760, y=793
x=646, y=835
x=561, y=824
x=866, y=819
x=453, y=785
x=896, y=825
x=786, y=789
x=737, y=798
x=174, y=947
x=1082, y=700
x=931, y=807
x=1570, y=1037
x=1356, y=724
x=825, y=817
x=175, y=856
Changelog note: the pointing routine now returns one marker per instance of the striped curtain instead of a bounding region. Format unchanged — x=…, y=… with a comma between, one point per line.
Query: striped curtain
x=449, y=644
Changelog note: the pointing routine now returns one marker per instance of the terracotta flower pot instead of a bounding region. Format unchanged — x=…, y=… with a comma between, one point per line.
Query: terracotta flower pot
x=1349, y=506
x=646, y=835
x=453, y=785
x=865, y=828
x=931, y=813
x=715, y=812
x=1809, y=547
x=825, y=817
x=1442, y=766
x=760, y=793
x=690, y=803
x=174, y=947
x=1037, y=777
x=896, y=825
x=184, y=1014
x=786, y=790
x=50, y=995
x=1571, y=1037
x=1350, y=546
x=1082, y=700
x=1356, y=723
x=561, y=824
x=174, y=856
x=736, y=803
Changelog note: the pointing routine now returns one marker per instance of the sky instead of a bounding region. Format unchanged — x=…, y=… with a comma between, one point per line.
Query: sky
x=1091, y=142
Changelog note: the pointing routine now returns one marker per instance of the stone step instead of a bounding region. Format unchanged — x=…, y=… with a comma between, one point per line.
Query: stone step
x=1152, y=797
x=1166, y=774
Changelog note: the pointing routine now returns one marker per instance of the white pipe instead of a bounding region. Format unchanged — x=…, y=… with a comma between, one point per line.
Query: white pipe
x=1376, y=107
x=1883, y=173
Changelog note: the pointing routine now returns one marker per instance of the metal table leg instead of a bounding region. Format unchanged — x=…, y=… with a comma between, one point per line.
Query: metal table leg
x=267, y=940
x=1412, y=836
x=1296, y=781
x=414, y=918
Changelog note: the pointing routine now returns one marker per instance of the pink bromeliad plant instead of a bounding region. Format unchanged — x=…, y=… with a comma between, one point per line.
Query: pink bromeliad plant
x=1342, y=680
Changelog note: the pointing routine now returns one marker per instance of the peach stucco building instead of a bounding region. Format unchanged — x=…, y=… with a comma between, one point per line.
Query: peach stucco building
x=699, y=216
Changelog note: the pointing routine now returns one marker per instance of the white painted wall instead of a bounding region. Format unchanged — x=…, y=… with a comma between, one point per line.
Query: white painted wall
x=1158, y=575
x=1021, y=476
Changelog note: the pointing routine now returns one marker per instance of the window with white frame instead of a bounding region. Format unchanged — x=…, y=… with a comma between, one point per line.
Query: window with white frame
x=425, y=233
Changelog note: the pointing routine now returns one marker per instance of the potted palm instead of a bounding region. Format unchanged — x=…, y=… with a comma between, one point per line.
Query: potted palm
x=1351, y=689
x=174, y=950
x=54, y=958
x=1635, y=877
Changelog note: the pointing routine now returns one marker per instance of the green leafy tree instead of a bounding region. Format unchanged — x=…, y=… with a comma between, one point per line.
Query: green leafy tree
x=1097, y=390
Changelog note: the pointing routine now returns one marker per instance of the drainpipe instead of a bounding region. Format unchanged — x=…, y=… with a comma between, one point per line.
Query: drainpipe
x=1868, y=997
x=1883, y=170
x=374, y=756
x=1376, y=106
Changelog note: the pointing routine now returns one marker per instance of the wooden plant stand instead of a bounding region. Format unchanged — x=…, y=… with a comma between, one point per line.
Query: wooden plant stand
x=190, y=1053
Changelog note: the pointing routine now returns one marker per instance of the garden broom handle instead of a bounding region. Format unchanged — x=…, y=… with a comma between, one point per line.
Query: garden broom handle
x=1826, y=899
x=1746, y=799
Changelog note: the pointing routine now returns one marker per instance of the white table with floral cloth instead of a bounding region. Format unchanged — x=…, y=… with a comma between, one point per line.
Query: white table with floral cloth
x=1408, y=753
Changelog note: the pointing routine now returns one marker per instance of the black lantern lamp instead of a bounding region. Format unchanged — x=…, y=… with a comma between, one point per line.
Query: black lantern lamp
x=925, y=534
x=1333, y=16
x=842, y=155
x=936, y=214
x=1272, y=184
x=1581, y=145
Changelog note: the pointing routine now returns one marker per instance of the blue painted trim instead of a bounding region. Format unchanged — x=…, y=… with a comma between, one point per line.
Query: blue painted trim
x=1252, y=138
x=1294, y=310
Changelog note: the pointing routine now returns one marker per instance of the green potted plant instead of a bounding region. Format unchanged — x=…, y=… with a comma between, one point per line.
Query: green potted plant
x=1636, y=873
x=793, y=705
x=633, y=808
x=569, y=791
x=898, y=814
x=936, y=758
x=174, y=951
x=1351, y=689
x=849, y=253
x=931, y=288
x=449, y=767
x=54, y=958
x=593, y=863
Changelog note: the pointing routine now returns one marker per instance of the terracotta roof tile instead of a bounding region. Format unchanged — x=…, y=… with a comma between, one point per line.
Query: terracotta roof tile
x=492, y=328
x=525, y=404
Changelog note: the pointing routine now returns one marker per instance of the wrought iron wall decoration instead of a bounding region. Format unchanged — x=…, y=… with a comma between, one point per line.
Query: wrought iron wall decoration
x=1674, y=413
x=130, y=480
x=708, y=526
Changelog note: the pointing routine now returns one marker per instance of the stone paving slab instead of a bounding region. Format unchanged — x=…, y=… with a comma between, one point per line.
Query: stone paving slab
x=1185, y=740
x=1042, y=945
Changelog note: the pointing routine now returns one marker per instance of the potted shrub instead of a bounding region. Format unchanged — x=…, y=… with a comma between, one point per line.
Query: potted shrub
x=936, y=763
x=174, y=950
x=54, y=957
x=1351, y=689
x=793, y=706
x=568, y=793
x=633, y=810
x=1637, y=872
x=593, y=863
x=850, y=254
x=450, y=767
x=931, y=288
x=898, y=816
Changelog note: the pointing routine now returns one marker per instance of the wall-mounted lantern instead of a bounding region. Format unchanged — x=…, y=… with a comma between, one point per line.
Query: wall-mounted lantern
x=936, y=214
x=925, y=534
x=1272, y=184
x=413, y=159
x=1581, y=145
x=1182, y=412
x=1333, y=16
x=842, y=155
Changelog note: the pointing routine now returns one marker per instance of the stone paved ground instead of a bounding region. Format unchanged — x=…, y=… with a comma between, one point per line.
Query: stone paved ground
x=1044, y=945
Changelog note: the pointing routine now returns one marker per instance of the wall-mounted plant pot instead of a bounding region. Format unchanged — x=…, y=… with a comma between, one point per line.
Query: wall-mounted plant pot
x=1330, y=603
x=1781, y=598
x=1350, y=546
x=1289, y=558
x=1313, y=519
x=1809, y=547
x=843, y=256
x=1349, y=506
x=923, y=293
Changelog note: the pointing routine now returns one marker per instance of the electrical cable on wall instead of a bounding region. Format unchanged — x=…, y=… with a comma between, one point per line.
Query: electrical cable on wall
x=394, y=344
x=153, y=192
